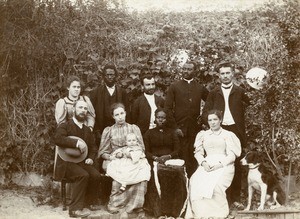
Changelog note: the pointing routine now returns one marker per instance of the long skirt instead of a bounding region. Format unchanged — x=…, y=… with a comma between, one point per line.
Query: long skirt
x=172, y=194
x=214, y=204
x=132, y=199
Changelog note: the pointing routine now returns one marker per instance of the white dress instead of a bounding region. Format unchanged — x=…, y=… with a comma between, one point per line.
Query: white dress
x=129, y=171
x=207, y=196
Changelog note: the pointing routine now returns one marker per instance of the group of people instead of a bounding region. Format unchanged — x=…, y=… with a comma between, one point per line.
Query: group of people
x=154, y=150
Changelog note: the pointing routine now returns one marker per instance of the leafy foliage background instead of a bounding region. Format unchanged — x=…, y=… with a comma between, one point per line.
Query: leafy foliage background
x=43, y=42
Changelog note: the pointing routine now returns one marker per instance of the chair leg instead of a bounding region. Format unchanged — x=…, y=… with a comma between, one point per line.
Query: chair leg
x=63, y=194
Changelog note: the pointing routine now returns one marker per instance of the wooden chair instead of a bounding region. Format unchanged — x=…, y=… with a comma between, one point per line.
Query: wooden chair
x=63, y=184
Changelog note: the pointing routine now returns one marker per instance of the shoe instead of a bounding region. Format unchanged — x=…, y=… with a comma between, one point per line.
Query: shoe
x=238, y=206
x=94, y=207
x=78, y=213
x=123, y=188
x=112, y=211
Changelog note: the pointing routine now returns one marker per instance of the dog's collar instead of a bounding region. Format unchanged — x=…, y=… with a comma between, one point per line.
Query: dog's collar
x=257, y=165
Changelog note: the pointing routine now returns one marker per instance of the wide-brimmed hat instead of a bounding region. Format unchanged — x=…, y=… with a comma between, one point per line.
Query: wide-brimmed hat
x=257, y=78
x=72, y=154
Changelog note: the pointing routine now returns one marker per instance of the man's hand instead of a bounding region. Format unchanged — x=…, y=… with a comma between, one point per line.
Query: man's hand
x=89, y=161
x=179, y=132
x=81, y=146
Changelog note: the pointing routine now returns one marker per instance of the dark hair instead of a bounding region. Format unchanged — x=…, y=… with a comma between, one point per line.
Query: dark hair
x=225, y=65
x=110, y=66
x=193, y=63
x=159, y=110
x=72, y=78
x=145, y=70
x=116, y=106
x=216, y=112
x=148, y=76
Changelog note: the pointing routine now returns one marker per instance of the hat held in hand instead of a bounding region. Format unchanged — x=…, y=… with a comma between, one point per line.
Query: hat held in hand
x=73, y=155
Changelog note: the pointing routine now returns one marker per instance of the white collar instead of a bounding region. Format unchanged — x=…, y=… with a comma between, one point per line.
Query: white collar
x=188, y=81
x=110, y=88
x=227, y=86
x=216, y=133
x=79, y=124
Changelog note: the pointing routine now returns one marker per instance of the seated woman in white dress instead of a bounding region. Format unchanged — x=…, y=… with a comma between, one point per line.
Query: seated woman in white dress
x=215, y=150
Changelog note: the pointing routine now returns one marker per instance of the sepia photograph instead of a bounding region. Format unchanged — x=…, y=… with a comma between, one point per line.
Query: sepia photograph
x=120, y=109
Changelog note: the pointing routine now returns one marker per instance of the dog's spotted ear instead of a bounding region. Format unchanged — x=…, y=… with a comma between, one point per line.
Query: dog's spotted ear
x=253, y=157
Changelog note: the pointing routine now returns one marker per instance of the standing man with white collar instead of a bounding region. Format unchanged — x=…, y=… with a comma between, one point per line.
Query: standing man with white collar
x=231, y=100
x=183, y=107
x=104, y=96
x=145, y=105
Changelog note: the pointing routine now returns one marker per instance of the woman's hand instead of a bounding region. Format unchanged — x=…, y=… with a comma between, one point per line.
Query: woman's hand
x=119, y=155
x=215, y=167
x=163, y=159
x=206, y=167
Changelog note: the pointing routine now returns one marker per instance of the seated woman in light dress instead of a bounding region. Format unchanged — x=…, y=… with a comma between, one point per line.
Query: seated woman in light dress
x=131, y=200
x=129, y=165
x=215, y=150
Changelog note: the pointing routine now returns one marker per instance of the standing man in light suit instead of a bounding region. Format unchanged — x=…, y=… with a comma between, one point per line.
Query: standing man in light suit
x=231, y=100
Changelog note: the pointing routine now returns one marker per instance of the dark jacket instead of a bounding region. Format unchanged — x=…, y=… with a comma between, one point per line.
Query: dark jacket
x=61, y=139
x=238, y=100
x=98, y=99
x=141, y=111
x=183, y=105
x=159, y=143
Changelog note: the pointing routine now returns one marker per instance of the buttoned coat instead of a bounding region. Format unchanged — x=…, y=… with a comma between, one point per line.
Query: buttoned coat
x=141, y=111
x=238, y=100
x=183, y=105
x=97, y=98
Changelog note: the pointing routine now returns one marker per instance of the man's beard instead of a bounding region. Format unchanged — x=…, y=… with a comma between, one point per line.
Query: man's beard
x=81, y=117
x=110, y=83
x=149, y=92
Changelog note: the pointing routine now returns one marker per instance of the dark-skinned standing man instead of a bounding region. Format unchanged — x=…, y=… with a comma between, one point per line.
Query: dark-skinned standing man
x=182, y=104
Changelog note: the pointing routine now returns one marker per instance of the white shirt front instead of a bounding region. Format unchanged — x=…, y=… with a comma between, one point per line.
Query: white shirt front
x=151, y=101
x=227, y=118
x=111, y=90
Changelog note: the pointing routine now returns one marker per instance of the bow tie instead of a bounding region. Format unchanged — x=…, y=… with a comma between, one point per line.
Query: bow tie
x=227, y=87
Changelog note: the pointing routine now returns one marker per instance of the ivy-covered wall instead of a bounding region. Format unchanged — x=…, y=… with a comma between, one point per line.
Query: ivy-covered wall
x=43, y=42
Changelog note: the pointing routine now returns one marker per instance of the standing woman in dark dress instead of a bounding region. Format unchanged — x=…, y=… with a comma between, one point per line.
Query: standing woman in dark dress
x=167, y=191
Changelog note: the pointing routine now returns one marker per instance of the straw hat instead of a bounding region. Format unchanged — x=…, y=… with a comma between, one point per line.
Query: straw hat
x=72, y=154
x=257, y=77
